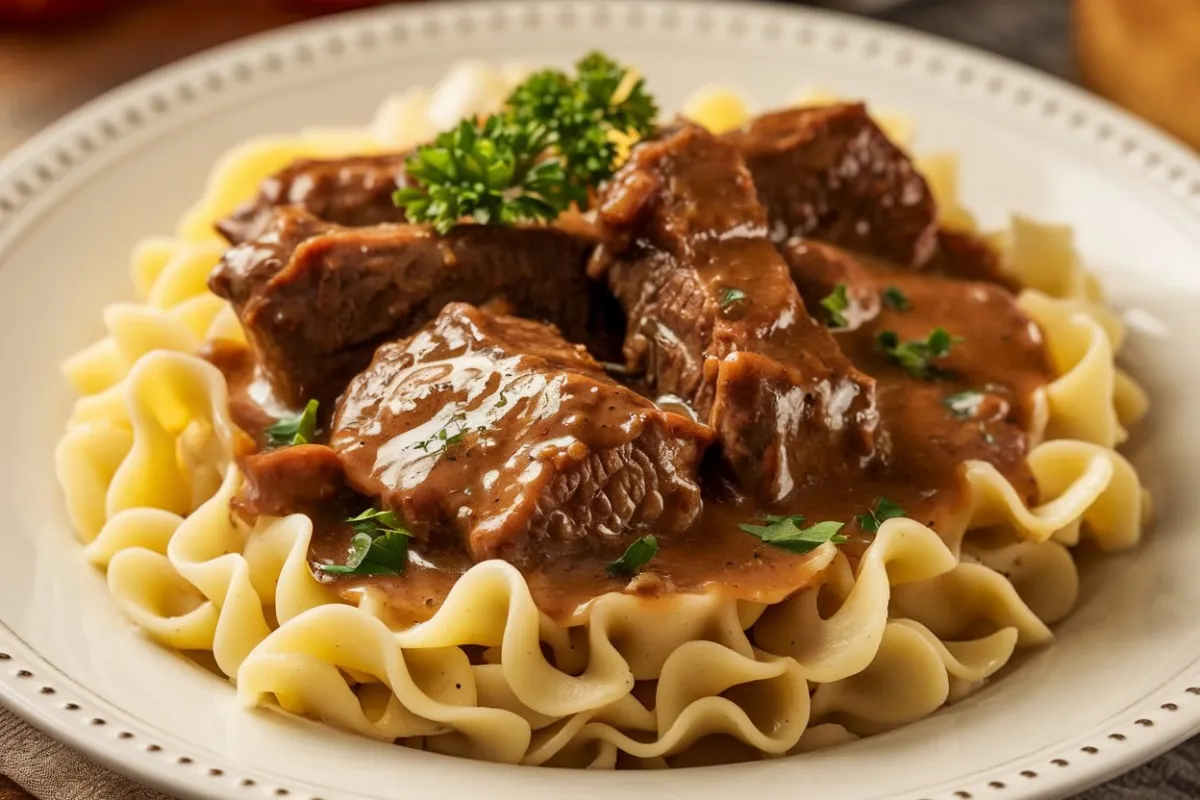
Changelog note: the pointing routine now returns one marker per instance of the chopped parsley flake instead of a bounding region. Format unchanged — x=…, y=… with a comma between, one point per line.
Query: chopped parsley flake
x=380, y=546
x=787, y=533
x=895, y=299
x=289, y=431
x=443, y=440
x=836, y=303
x=636, y=556
x=883, y=510
x=917, y=356
x=732, y=296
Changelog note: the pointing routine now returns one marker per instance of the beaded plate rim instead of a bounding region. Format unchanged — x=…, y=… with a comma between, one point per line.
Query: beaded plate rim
x=33, y=688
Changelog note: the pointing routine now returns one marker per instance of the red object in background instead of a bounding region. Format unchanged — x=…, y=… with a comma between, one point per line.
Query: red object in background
x=49, y=11
x=326, y=5
x=67, y=11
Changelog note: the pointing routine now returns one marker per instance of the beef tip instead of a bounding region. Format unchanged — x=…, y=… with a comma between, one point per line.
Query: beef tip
x=314, y=315
x=818, y=269
x=964, y=255
x=495, y=430
x=714, y=318
x=289, y=480
x=245, y=269
x=352, y=191
x=830, y=173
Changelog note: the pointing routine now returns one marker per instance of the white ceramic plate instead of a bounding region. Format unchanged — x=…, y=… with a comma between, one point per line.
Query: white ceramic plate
x=1122, y=682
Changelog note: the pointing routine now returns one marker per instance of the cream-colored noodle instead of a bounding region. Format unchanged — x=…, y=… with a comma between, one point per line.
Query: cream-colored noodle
x=921, y=620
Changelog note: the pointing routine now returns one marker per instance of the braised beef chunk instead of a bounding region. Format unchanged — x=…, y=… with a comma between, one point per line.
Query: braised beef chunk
x=497, y=431
x=245, y=269
x=289, y=480
x=819, y=269
x=315, y=314
x=352, y=191
x=714, y=318
x=830, y=173
x=961, y=254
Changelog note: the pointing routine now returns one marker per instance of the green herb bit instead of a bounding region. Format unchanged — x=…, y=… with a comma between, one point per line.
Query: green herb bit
x=443, y=439
x=300, y=429
x=963, y=405
x=836, y=303
x=636, y=556
x=503, y=401
x=883, y=510
x=787, y=533
x=731, y=296
x=917, y=356
x=380, y=546
x=895, y=299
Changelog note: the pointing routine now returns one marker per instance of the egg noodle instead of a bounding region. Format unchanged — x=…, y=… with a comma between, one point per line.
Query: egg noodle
x=921, y=620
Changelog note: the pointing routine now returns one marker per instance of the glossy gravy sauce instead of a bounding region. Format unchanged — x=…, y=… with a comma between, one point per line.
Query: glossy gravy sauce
x=922, y=446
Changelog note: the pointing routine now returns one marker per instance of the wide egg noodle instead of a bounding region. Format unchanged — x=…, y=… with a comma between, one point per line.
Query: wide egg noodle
x=921, y=619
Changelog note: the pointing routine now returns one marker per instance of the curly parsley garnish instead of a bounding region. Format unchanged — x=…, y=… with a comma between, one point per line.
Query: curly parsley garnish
x=636, y=556
x=895, y=299
x=917, y=356
x=582, y=113
x=882, y=511
x=380, y=546
x=786, y=532
x=300, y=429
x=836, y=303
x=554, y=139
x=490, y=172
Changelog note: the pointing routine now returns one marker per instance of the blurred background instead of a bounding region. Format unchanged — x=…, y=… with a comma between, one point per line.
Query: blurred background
x=1143, y=54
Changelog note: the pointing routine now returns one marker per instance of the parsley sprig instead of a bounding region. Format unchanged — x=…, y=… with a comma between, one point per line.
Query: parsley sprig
x=786, y=532
x=488, y=171
x=636, y=556
x=289, y=431
x=917, y=356
x=379, y=546
x=554, y=139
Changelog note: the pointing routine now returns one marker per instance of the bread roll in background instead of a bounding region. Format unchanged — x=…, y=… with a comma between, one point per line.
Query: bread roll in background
x=1145, y=56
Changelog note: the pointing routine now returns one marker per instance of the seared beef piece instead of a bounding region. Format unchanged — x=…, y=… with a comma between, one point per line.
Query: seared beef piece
x=245, y=269
x=964, y=255
x=352, y=191
x=818, y=269
x=715, y=319
x=495, y=430
x=289, y=480
x=830, y=173
x=315, y=314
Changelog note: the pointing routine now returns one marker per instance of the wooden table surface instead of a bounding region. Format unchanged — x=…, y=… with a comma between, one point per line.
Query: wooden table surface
x=46, y=72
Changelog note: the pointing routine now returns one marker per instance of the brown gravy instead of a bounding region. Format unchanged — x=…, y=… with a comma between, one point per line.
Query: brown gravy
x=923, y=446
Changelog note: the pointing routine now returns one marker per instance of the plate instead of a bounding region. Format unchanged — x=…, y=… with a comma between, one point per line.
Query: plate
x=1122, y=682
